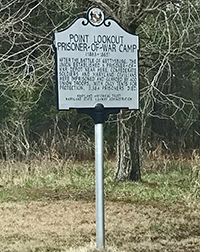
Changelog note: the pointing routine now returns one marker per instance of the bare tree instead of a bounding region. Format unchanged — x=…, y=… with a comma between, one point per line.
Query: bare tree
x=26, y=64
x=168, y=91
x=168, y=32
x=169, y=59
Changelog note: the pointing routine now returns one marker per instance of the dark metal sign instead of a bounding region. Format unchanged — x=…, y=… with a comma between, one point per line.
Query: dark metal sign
x=96, y=63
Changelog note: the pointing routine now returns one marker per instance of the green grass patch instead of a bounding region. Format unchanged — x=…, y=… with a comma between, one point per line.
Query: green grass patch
x=51, y=179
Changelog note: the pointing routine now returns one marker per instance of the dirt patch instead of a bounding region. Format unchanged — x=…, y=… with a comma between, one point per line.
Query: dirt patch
x=70, y=226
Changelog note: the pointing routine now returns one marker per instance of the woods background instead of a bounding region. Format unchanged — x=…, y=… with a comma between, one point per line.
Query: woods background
x=30, y=125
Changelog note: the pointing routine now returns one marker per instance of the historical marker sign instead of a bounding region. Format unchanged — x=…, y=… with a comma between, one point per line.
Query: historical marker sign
x=96, y=62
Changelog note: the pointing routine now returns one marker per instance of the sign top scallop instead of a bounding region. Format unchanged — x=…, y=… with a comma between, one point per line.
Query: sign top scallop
x=95, y=16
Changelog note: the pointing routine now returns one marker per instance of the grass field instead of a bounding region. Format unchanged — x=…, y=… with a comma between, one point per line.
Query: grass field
x=50, y=206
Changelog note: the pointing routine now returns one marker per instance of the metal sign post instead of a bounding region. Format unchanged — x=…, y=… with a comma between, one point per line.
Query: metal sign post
x=99, y=175
x=99, y=114
x=97, y=74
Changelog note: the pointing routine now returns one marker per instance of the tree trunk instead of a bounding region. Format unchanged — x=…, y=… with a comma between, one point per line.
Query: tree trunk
x=128, y=166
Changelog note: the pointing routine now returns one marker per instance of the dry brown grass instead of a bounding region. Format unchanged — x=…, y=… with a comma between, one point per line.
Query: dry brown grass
x=51, y=207
x=70, y=226
x=52, y=226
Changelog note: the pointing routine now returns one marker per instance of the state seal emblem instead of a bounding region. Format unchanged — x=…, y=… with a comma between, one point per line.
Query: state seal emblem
x=96, y=16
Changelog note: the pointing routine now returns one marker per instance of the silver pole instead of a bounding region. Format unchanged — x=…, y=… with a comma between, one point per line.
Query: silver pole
x=100, y=230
